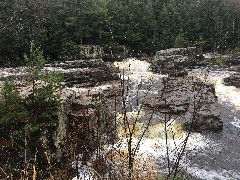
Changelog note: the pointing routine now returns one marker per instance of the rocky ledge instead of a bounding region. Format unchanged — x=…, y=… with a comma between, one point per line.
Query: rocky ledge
x=84, y=116
x=173, y=61
x=191, y=101
x=78, y=73
x=233, y=80
x=84, y=73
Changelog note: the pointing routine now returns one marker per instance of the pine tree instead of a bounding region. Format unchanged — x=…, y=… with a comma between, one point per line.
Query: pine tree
x=42, y=105
x=28, y=122
x=12, y=113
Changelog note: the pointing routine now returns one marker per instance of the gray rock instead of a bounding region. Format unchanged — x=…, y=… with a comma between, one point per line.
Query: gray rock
x=191, y=100
x=92, y=63
x=234, y=68
x=176, y=51
x=233, y=80
x=84, y=73
x=173, y=61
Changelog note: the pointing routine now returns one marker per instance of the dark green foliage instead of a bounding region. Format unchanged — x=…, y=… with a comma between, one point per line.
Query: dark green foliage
x=13, y=113
x=180, y=42
x=29, y=122
x=42, y=102
x=144, y=26
x=39, y=108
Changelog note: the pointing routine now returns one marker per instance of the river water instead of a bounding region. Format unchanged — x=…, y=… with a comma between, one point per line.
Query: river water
x=209, y=156
x=221, y=159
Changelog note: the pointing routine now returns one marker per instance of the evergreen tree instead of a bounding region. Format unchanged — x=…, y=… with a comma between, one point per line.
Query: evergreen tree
x=42, y=105
x=31, y=121
x=179, y=42
x=13, y=113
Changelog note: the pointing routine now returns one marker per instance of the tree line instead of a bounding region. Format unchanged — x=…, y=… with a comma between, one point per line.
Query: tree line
x=144, y=26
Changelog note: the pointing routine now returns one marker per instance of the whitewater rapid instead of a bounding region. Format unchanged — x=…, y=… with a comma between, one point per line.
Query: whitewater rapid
x=227, y=95
x=153, y=144
x=207, y=156
x=204, y=147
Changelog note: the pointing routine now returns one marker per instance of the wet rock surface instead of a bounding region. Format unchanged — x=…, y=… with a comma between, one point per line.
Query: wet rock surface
x=78, y=73
x=84, y=73
x=191, y=101
x=233, y=80
x=173, y=61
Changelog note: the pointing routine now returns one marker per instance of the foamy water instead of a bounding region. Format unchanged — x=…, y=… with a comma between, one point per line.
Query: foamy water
x=136, y=70
x=152, y=147
x=153, y=143
x=227, y=95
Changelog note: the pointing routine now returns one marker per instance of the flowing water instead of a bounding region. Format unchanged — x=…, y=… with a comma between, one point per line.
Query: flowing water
x=207, y=156
x=221, y=160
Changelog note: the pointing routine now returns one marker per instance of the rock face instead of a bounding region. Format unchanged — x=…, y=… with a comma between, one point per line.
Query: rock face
x=233, y=80
x=83, y=115
x=173, y=61
x=235, y=68
x=85, y=122
x=84, y=73
x=78, y=73
x=189, y=99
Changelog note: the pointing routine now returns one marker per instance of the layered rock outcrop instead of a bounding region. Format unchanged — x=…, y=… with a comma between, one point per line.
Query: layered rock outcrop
x=86, y=122
x=233, y=80
x=78, y=73
x=173, y=61
x=189, y=99
x=84, y=73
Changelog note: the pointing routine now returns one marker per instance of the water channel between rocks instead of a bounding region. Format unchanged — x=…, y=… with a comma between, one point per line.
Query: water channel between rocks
x=208, y=155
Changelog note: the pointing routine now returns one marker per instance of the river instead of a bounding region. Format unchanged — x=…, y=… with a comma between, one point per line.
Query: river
x=209, y=156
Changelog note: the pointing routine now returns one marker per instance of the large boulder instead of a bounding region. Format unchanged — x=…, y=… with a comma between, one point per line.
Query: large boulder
x=233, y=80
x=192, y=101
x=173, y=61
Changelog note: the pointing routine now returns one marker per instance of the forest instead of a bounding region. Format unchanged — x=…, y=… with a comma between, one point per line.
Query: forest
x=144, y=26
x=64, y=115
